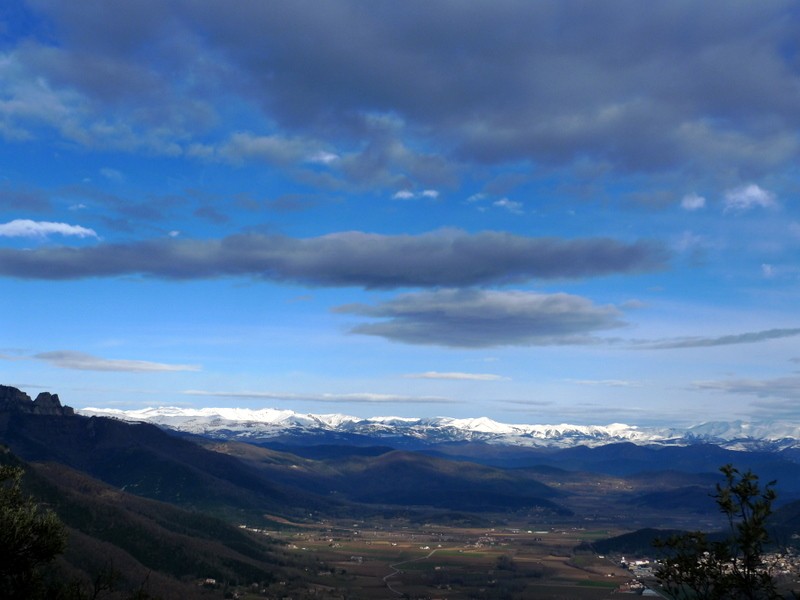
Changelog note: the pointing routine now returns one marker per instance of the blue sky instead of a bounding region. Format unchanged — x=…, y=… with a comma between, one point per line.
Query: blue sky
x=538, y=212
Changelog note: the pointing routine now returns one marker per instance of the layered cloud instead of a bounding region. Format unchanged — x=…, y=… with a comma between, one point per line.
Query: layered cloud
x=708, y=84
x=779, y=388
x=750, y=337
x=70, y=359
x=442, y=258
x=485, y=318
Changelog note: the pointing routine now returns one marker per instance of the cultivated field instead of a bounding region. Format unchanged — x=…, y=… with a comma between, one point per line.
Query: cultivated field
x=396, y=559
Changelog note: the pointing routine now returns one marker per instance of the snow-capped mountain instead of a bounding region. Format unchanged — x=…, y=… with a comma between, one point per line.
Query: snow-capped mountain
x=270, y=424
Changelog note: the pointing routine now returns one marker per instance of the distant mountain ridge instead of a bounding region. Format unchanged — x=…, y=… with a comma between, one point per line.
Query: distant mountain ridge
x=271, y=424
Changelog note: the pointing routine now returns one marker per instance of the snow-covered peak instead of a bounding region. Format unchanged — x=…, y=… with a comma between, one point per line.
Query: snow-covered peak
x=265, y=423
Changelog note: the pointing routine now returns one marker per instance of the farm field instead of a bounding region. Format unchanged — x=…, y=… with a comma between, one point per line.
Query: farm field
x=395, y=559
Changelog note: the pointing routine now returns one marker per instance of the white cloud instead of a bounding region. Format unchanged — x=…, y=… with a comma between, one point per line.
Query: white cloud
x=112, y=174
x=38, y=229
x=693, y=202
x=456, y=376
x=323, y=158
x=510, y=205
x=746, y=197
x=689, y=242
x=409, y=195
x=768, y=271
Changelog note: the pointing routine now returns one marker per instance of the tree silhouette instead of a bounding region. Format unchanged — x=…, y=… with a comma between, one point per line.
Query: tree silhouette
x=733, y=569
x=29, y=537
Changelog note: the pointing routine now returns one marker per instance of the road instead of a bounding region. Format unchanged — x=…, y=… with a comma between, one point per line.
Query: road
x=397, y=570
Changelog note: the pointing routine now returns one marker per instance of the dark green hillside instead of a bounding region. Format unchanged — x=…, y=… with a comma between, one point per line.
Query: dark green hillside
x=147, y=541
x=691, y=499
x=414, y=479
x=636, y=543
x=144, y=460
x=405, y=479
x=784, y=525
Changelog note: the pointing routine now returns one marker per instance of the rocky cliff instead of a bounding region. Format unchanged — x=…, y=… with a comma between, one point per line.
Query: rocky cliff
x=14, y=400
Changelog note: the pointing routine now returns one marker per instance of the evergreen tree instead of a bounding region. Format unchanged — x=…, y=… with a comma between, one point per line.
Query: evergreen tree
x=697, y=568
x=29, y=537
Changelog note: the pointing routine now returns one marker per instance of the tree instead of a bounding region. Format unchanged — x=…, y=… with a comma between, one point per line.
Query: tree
x=732, y=569
x=29, y=537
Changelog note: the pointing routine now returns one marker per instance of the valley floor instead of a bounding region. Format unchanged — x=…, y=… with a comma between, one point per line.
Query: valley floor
x=396, y=559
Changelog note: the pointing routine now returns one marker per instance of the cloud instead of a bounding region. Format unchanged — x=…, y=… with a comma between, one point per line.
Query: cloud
x=456, y=376
x=245, y=146
x=409, y=195
x=112, y=174
x=510, y=205
x=709, y=86
x=482, y=319
x=693, y=202
x=440, y=258
x=365, y=398
x=41, y=229
x=323, y=158
x=746, y=197
x=752, y=337
x=780, y=387
x=29, y=200
x=606, y=382
x=67, y=359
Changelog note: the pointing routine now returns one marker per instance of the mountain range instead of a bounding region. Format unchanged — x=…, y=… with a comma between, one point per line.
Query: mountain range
x=132, y=492
x=273, y=425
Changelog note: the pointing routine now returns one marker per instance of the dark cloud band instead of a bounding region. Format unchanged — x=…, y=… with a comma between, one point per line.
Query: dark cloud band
x=483, y=318
x=443, y=258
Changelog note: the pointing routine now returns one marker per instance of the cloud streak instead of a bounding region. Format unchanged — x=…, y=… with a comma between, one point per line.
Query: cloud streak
x=67, y=359
x=441, y=258
x=362, y=398
x=752, y=337
x=455, y=376
x=484, y=318
x=778, y=388
x=41, y=229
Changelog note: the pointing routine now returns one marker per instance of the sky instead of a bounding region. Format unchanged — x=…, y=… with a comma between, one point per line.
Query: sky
x=549, y=212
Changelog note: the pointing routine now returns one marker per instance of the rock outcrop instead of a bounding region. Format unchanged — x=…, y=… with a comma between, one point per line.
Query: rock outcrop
x=14, y=400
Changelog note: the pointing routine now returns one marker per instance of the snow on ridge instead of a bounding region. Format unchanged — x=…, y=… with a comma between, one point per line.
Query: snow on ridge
x=270, y=422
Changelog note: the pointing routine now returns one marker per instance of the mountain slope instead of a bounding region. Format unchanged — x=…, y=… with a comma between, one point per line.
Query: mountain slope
x=271, y=425
x=404, y=478
x=143, y=459
x=247, y=482
x=147, y=543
